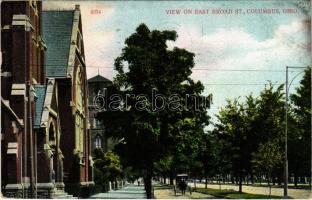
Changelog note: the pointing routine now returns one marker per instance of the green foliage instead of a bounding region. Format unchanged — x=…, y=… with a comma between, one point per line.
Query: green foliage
x=268, y=156
x=300, y=128
x=107, y=166
x=246, y=128
x=146, y=65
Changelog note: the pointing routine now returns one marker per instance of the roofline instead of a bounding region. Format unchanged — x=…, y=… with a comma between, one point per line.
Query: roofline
x=58, y=10
x=107, y=80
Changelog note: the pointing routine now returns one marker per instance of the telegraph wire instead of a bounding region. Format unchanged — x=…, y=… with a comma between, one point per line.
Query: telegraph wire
x=195, y=69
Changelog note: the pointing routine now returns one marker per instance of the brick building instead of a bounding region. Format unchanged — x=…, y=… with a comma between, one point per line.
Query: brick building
x=44, y=131
x=22, y=68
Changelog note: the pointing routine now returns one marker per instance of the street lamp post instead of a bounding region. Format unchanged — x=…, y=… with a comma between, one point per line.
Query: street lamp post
x=286, y=128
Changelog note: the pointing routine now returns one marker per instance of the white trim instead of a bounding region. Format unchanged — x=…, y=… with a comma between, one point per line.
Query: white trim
x=72, y=51
x=45, y=185
x=13, y=186
x=6, y=74
x=22, y=20
x=12, y=148
x=18, y=89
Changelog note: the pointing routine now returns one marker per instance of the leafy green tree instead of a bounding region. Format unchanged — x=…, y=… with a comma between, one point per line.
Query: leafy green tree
x=211, y=157
x=243, y=126
x=107, y=166
x=300, y=128
x=232, y=129
x=188, y=145
x=270, y=122
x=268, y=156
x=163, y=166
x=147, y=65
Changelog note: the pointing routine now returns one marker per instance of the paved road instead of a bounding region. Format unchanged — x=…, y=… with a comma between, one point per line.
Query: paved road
x=127, y=192
x=294, y=193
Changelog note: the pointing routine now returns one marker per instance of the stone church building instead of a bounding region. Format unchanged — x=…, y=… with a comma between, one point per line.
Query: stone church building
x=45, y=139
x=100, y=138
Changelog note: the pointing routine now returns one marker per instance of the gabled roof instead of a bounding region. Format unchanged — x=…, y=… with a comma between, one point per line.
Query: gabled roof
x=99, y=78
x=57, y=30
x=45, y=95
x=40, y=93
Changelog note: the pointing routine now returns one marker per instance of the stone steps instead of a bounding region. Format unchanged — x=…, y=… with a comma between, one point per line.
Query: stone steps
x=61, y=194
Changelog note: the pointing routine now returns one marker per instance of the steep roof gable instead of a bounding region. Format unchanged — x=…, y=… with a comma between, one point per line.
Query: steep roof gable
x=45, y=95
x=98, y=78
x=57, y=30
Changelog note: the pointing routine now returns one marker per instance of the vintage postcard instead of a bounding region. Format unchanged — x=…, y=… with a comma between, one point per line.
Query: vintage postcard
x=201, y=99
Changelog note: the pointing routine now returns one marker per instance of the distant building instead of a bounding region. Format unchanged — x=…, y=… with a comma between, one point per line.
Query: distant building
x=100, y=138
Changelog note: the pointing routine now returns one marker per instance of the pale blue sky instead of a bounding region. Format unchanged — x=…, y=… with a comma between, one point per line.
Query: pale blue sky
x=220, y=42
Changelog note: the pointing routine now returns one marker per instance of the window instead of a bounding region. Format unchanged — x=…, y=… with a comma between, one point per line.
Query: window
x=98, y=142
x=79, y=92
x=97, y=123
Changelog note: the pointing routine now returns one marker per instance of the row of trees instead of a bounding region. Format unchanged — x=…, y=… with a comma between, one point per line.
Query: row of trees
x=247, y=139
x=250, y=134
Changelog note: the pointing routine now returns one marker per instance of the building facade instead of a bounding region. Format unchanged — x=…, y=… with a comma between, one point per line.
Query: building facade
x=65, y=62
x=45, y=137
x=22, y=68
x=98, y=85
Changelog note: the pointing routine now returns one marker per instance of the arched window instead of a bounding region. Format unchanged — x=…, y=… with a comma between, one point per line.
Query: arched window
x=79, y=86
x=98, y=142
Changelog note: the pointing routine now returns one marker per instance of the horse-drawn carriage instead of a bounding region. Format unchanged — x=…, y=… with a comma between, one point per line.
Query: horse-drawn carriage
x=181, y=184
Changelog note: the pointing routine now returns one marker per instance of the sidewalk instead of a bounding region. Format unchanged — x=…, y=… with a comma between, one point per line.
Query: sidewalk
x=127, y=192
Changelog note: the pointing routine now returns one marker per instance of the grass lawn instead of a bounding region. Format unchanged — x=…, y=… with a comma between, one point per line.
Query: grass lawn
x=167, y=192
x=232, y=194
x=162, y=187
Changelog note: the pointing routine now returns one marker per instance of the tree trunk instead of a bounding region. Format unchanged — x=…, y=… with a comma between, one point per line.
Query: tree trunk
x=269, y=184
x=247, y=179
x=279, y=180
x=164, y=179
x=273, y=180
x=252, y=178
x=148, y=184
x=240, y=183
x=206, y=182
x=296, y=180
x=171, y=179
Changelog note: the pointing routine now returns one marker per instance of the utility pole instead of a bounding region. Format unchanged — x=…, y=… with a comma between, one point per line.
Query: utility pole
x=286, y=128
